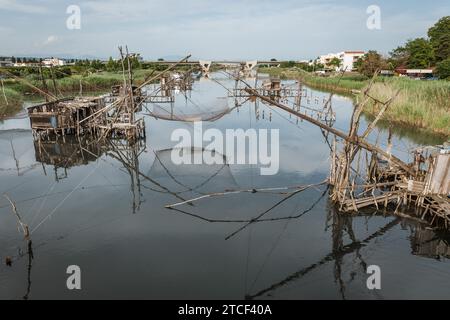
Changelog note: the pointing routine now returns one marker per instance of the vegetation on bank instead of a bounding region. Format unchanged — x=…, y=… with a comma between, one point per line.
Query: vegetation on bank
x=340, y=84
x=430, y=52
x=10, y=102
x=93, y=82
x=420, y=104
x=420, y=53
x=82, y=75
x=15, y=90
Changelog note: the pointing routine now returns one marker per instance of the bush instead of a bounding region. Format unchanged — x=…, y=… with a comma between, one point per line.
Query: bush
x=288, y=64
x=443, y=69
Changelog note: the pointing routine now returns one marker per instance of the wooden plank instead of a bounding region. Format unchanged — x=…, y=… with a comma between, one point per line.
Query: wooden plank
x=440, y=180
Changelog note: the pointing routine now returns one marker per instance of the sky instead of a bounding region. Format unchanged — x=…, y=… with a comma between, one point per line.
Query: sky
x=211, y=29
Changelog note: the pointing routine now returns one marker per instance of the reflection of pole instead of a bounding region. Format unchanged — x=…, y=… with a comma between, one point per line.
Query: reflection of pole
x=341, y=223
x=14, y=157
x=26, y=233
x=298, y=98
x=30, y=265
x=355, y=245
x=133, y=169
x=118, y=155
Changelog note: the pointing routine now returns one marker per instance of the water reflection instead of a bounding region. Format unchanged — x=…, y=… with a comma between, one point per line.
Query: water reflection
x=233, y=224
x=430, y=244
x=63, y=154
x=424, y=242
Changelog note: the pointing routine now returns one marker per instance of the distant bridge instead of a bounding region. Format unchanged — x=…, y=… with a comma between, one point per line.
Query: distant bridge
x=206, y=65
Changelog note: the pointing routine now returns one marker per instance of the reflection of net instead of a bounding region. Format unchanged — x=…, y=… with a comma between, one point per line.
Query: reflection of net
x=15, y=147
x=189, y=114
x=201, y=178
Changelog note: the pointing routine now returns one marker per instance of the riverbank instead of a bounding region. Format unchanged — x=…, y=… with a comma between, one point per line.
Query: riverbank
x=15, y=90
x=10, y=102
x=420, y=104
x=75, y=83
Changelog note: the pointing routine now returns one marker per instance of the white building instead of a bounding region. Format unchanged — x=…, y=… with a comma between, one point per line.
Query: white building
x=326, y=58
x=6, y=62
x=137, y=56
x=347, y=58
x=53, y=62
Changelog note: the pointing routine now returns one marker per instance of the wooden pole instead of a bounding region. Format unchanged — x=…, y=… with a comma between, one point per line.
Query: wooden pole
x=353, y=140
x=140, y=87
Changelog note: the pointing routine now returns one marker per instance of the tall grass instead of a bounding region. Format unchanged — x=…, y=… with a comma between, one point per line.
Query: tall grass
x=89, y=83
x=345, y=84
x=93, y=82
x=422, y=104
x=10, y=102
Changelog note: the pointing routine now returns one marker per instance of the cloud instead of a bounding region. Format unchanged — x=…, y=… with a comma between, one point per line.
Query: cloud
x=51, y=39
x=20, y=6
x=233, y=29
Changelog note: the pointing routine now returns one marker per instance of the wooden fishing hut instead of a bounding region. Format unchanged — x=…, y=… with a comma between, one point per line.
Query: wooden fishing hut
x=363, y=175
x=63, y=116
x=269, y=88
x=273, y=85
x=138, y=95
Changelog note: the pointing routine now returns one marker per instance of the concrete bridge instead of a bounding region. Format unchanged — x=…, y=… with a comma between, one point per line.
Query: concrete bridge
x=205, y=65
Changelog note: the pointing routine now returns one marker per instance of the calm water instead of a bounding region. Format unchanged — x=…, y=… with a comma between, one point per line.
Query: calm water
x=88, y=207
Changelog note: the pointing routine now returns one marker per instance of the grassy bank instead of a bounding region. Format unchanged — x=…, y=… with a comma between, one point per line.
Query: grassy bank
x=10, y=102
x=93, y=82
x=16, y=90
x=345, y=85
x=420, y=104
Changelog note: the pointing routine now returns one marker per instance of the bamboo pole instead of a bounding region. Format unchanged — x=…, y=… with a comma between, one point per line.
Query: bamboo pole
x=353, y=140
x=46, y=94
x=24, y=226
x=115, y=103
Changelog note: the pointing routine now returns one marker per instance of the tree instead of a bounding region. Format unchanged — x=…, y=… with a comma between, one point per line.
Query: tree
x=135, y=63
x=370, y=63
x=399, y=57
x=111, y=65
x=443, y=69
x=288, y=64
x=335, y=62
x=420, y=53
x=439, y=36
x=273, y=60
x=96, y=64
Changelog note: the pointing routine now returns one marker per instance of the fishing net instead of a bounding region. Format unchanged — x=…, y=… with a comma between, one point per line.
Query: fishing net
x=190, y=113
x=201, y=178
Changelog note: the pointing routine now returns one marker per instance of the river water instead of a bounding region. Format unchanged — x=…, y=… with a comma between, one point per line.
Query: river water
x=86, y=206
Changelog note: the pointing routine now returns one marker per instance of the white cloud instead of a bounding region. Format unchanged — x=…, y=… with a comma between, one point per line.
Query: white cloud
x=244, y=29
x=20, y=6
x=51, y=39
